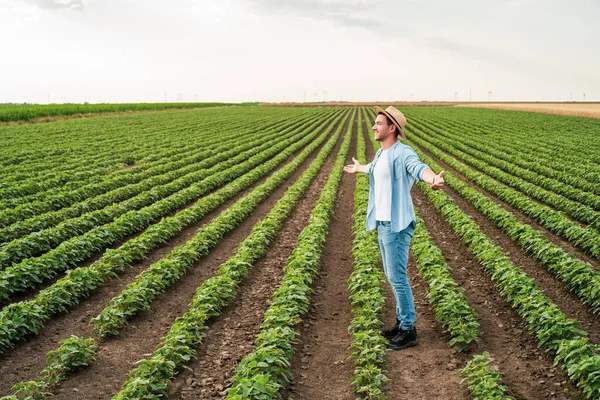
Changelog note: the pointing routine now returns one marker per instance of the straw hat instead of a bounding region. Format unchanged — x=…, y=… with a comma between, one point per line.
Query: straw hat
x=395, y=116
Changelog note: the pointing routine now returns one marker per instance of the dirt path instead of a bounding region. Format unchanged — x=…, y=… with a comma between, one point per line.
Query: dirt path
x=28, y=358
x=321, y=366
x=231, y=336
x=427, y=371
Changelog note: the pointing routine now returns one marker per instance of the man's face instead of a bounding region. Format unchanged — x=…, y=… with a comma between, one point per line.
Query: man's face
x=381, y=128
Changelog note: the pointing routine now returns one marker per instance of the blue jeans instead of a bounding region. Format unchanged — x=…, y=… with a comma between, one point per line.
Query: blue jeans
x=394, y=252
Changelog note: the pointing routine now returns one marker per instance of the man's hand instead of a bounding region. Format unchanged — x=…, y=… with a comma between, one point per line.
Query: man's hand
x=438, y=181
x=354, y=168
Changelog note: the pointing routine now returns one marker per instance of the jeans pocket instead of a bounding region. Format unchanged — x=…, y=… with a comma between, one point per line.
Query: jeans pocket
x=405, y=239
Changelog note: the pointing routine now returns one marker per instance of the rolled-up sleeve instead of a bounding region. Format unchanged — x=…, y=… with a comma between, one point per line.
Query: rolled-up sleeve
x=414, y=165
x=368, y=168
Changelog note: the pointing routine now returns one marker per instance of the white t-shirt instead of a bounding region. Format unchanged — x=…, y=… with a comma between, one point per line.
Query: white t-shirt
x=383, y=188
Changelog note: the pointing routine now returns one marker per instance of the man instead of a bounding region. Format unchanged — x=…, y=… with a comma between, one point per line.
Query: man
x=392, y=174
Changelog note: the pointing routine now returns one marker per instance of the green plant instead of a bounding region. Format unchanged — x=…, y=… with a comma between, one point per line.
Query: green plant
x=72, y=354
x=482, y=380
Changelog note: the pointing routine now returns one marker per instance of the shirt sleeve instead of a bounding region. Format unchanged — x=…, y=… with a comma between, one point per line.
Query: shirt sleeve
x=414, y=165
x=369, y=166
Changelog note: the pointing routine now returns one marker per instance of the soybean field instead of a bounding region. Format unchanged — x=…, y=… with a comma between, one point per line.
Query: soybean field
x=221, y=252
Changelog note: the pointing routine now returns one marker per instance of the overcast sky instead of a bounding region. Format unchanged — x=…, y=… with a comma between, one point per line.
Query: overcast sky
x=296, y=50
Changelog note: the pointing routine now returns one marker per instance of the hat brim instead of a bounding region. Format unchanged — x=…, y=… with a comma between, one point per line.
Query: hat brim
x=379, y=110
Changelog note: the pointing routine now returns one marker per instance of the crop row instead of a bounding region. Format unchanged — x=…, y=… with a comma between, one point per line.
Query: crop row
x=20, y=319
x=73, y=353
x=22, y=144
x=556, y=333
x=153, y=375
x=568, y=174
x=66, y=190
x=64, y=151
x=483, y=382
x=576, y=210
x=491, y=157
x=151, y=190
x=64, y=155
x=80, y=145
x=585, y=238
x=24, y=274
x=578, y=275
x=158, y=277
x=80, y=191
x=264, y=372
x=530, y=154
x=565, y=164
x=28, y=112
x=187, y=135
x=37, y=181
x=445, y=295
x=28, y=272
x=139, y=148
x=548, y=137
x=84, y=216
x=367, y=295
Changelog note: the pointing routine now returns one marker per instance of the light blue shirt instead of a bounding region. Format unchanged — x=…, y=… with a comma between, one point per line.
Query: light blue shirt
x=405, y=167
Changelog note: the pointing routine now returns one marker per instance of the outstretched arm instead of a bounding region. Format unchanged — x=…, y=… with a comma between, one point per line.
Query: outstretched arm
x=436, y=181
x=356, y=167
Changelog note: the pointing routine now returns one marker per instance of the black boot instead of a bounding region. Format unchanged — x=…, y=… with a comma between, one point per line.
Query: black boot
x=390, y=333
x=404, y=339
